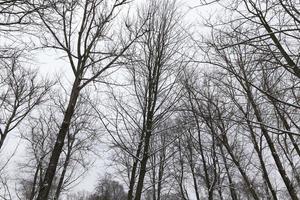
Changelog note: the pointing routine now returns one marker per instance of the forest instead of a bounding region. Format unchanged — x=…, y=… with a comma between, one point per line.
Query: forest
x=149, y=100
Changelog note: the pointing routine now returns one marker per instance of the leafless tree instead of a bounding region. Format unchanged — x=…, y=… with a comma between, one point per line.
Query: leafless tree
x=75, y=160
x=82, y=31
x=153, y=69
x=221, y=122
x=242, y=68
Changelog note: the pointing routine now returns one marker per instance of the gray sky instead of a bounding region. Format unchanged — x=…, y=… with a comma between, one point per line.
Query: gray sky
x=51, y=65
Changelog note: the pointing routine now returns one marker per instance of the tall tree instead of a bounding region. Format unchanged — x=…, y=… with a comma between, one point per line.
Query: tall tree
x=80, y=30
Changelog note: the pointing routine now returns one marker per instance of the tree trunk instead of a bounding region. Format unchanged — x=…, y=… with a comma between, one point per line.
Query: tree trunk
x=50, y=172
x=139, y=188
x=231, y=184
x=275, y=156
x=62, y=176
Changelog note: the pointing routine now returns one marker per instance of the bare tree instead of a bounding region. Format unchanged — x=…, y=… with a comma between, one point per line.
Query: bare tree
x=76, y=155
x=155, y=79
x=153, y=68
x=81, y=31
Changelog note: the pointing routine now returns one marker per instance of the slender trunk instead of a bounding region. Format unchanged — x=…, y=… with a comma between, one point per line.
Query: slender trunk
x=50, y=172
x=245, y=177
x=207, y=178
x=242, y=172
x=134, y=169
x=153, y=81
x=181, y=174
x=262, y=163
x=220, y=188
x=215, y=163
x=154, y=178
x=259, y=154
x=62, y=176
x=140, y=184
x=231, y=184
x=41, y=177
x=291, y=64
x=195, y=183
x=286, y=126
x=294, y=143
x=160, y=173
x=290, y=160
x=223, y=139
x=36, y=174
x=135, y=164
x=2, y=140
x=275, y=156
x=192, y=166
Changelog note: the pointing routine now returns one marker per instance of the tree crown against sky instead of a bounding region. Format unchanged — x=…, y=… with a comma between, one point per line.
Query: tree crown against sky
x=176, y=99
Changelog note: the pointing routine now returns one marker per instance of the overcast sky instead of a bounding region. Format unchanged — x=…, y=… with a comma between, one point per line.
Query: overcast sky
x=51, y=65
